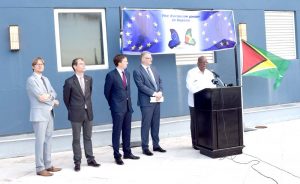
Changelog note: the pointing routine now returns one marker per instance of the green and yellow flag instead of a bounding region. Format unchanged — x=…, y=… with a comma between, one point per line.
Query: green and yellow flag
x=261, y=63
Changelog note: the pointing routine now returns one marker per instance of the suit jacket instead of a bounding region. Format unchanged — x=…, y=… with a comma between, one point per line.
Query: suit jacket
x=145, y=86
x=75, y=100
x=39, y=111
x=116, y=95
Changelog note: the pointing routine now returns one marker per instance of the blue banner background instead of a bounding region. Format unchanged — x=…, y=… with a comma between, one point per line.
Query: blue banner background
x=177, y=31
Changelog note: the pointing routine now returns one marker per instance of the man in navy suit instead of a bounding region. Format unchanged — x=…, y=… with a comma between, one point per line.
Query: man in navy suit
x=117, y=94
x=78, y=100
x=149, y=84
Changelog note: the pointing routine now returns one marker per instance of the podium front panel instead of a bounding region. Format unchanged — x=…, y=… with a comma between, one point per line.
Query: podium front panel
x=218, y=128
x=218, y=98
x=203, y=128
x=228, y=128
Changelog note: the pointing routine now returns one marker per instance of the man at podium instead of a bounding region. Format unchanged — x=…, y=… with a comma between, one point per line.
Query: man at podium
x=198, y=78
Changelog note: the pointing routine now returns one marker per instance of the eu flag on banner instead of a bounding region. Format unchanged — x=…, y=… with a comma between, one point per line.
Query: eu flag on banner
x=217, y=30
x=176, y=31
x=142, y=31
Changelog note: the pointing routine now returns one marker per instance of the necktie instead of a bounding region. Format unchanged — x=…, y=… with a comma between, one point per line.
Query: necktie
x=44, y=83
x=124, y=79
x=82, y=85
x=151, y=77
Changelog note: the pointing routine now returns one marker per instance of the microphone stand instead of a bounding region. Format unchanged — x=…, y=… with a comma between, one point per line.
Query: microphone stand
x=221, y=82
x=217, y=77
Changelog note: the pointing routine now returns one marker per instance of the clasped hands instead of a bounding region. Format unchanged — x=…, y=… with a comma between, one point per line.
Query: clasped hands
x=158, y=95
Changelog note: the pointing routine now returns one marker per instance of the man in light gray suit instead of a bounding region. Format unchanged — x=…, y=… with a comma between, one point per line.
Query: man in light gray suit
x=149, y=84
x=42, y=100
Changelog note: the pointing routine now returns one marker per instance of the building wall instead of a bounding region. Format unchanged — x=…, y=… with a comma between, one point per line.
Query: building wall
x=36, y=21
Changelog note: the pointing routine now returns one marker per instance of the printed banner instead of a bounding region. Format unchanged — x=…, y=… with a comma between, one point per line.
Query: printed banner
x=176, y=31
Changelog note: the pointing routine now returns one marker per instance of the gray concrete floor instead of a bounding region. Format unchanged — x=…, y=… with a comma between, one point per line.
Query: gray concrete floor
x=270, y=155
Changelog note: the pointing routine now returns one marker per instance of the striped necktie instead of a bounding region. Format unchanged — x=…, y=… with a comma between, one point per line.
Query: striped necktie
x=152, y=78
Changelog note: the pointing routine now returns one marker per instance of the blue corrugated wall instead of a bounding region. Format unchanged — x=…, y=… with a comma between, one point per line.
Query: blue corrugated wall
x=36, y=22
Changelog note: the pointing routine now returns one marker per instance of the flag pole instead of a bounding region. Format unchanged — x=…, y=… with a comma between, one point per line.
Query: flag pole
x=237, y=80
x=121, y=28
x=242, y=27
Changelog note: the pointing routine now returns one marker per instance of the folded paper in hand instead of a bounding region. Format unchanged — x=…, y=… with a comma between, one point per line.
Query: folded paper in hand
x=153, y=99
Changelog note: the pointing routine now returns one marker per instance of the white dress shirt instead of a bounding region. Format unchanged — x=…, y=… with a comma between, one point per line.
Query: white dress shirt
x=81, y=82
x=196, y=81
x=79, y=76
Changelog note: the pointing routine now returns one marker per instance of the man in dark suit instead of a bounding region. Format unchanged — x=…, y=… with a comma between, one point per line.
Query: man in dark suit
x=77, y=97
x=117, y=93
x=149, y=84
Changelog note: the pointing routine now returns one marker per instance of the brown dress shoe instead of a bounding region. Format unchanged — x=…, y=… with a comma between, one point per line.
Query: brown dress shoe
x=44, y=173
x=54, y=169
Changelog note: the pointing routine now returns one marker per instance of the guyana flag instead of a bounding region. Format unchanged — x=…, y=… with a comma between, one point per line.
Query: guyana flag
x=261, y=63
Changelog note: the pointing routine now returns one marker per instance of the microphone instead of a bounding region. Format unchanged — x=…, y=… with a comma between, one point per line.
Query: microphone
x=214, y=81
x=215, y=74
x=217, y=79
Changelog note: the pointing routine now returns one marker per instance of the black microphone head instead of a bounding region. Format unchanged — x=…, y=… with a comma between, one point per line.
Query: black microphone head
x=214, y=81
x=215, y=74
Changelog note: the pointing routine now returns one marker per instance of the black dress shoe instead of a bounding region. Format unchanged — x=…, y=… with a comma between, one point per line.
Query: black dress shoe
x=196, y=148
x=77, y=167
x=93, y=163
x=147, y=152
x=131, y=156
x=159, y=149
x=119, y=161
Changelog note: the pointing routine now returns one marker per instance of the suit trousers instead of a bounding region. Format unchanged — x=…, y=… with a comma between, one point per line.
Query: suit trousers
x=193, y=125
x=87, y=140
x=150, y=120
x=121, y=123
x=43, y=139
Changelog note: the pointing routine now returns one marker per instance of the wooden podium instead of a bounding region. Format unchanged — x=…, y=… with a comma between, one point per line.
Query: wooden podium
x=219, y=126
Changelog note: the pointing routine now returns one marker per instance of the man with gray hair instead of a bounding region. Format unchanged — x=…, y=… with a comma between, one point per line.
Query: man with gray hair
x=149, y=84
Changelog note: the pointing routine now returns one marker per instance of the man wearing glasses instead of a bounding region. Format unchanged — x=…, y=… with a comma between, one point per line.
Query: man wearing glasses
x=78, y=100
x=149, y=84
x=42, y=99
